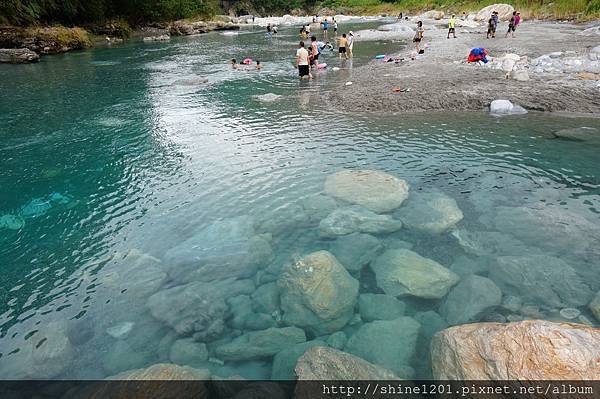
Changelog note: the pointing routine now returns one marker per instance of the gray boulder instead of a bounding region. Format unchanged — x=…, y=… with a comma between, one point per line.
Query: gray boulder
x=380, y=307
x=285, y=361
x=318, y=206
x=595, y=306
x=227, y=248
x=18, y=56
x=355, y=251
x=187, y=352
x=357, y=219
x=469, y=299
x=260, y=344
x=387, y=343
x=582, y=133
x=317, y=293
x=121, y=357
x=197, y=308
x=541, y=279
x=45, y=355
x=337, y=340
x=266, y=298
x=320, y=363
x=431, y=211
x=375, y=190
x=404, y=272
x=431, y=322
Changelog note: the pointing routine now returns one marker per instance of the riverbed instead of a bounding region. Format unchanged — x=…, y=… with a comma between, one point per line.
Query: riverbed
x=148, y=215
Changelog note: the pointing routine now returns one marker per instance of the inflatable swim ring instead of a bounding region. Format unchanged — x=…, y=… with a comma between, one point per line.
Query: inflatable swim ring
x=247, y=61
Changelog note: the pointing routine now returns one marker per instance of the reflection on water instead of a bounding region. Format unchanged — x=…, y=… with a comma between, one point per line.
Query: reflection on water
x=144, y=220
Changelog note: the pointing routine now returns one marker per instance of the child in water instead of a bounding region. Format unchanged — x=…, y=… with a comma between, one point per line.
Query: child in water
x=258, y=65
x=234, y=64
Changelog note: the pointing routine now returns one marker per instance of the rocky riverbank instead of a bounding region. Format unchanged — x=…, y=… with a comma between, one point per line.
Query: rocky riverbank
x=548, y=66
x=23, y=45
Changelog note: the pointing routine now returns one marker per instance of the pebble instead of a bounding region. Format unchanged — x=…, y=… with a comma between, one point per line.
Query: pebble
x=570, y=313
x=348, y=83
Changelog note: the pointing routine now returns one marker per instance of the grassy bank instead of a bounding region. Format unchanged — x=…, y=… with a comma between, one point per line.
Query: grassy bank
x=530, y=9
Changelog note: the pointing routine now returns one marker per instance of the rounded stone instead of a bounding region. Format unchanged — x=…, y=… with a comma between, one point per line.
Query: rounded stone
x=375, y=190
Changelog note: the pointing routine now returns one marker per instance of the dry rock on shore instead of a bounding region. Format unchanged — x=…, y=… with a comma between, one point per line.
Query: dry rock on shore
x=320, y=363
x=504, y=12
x=18, y=56
x=184, y=28
x=527, y=350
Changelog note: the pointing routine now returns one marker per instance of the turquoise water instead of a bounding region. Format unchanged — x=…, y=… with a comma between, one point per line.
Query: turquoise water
x=111, y=150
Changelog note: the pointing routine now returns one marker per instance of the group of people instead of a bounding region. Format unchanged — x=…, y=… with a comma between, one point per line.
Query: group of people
x=248, y=62
x=308, y=57
x=514, y=21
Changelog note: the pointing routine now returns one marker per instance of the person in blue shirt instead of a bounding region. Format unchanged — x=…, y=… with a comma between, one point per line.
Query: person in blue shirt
x=325, y=27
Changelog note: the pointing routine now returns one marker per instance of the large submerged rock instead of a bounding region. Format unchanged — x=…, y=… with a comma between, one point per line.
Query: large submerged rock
x=380, y=307
x=387, y=343
x=45, y=355
x=197, y=308
x=355, y=251
x=285, y=361
x=320, y=363
x=582, y=133
x=469, y=299
x=433, y=212
x=527, y=350
x=375, y=190
x=317, y=293
x=357, y=219
x=541, y=279
x=260, y=344
x=227, y=248
x=404, y=272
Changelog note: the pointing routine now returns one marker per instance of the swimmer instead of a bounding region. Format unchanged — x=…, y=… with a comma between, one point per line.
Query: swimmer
x=234, y=64
x=258, y=65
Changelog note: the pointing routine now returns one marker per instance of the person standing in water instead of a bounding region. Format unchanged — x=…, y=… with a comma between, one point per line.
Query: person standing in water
x=325, y=27
x=342, y=45
x=350, y=44
x=302, y=62
x=451, y=27
x=315, y=51
x=335, y=27
x=419, y=36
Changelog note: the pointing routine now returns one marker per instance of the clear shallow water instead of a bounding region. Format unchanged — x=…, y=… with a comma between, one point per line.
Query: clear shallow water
x=111, y=150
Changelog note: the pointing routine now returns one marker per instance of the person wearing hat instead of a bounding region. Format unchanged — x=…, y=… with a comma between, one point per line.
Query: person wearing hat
x=350, y=43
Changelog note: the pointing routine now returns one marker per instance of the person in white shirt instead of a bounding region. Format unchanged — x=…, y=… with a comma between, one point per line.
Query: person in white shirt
x=302, y=62
x=350, y=43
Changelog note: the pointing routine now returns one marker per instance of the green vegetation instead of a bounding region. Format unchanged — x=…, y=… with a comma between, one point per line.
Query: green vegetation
x=581, y=9
x=124, y=12
x=27, y=12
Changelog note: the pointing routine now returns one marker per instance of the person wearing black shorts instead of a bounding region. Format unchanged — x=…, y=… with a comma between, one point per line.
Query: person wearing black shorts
x=512, y=25
x=302, y=61
x=342, y=46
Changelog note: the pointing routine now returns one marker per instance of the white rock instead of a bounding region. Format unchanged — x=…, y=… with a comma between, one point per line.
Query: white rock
x=570, y=313
x=348, y=83
x=120, y=330
x=520, y=75
x=505, y=107
x=268, y=97
x=593, y=31
x=504, y=12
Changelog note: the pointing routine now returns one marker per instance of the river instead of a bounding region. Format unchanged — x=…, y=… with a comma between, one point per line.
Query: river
x=111, y=150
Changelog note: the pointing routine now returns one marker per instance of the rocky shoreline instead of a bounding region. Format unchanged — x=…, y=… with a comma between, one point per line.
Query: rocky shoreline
x=546, y=67
x=19, y=45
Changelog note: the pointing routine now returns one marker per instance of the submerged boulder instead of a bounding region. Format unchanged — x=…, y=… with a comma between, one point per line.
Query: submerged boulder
x=285, y=361
x=541, y=279
x=380, y=307
x=226, y=248
x=595, y=306
x=357, y=219
x=375, y=190
x=260, y=344
x=321, y=363
x=387, y=343
x=197, y=308
x=404, y=272
x=526, y=350
x=469, y=299
x=165, y=372
x=431, y=211
x=356, y=250
x=317, y=293
x=46, y=354
x=582, y=133
x=187, y=352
